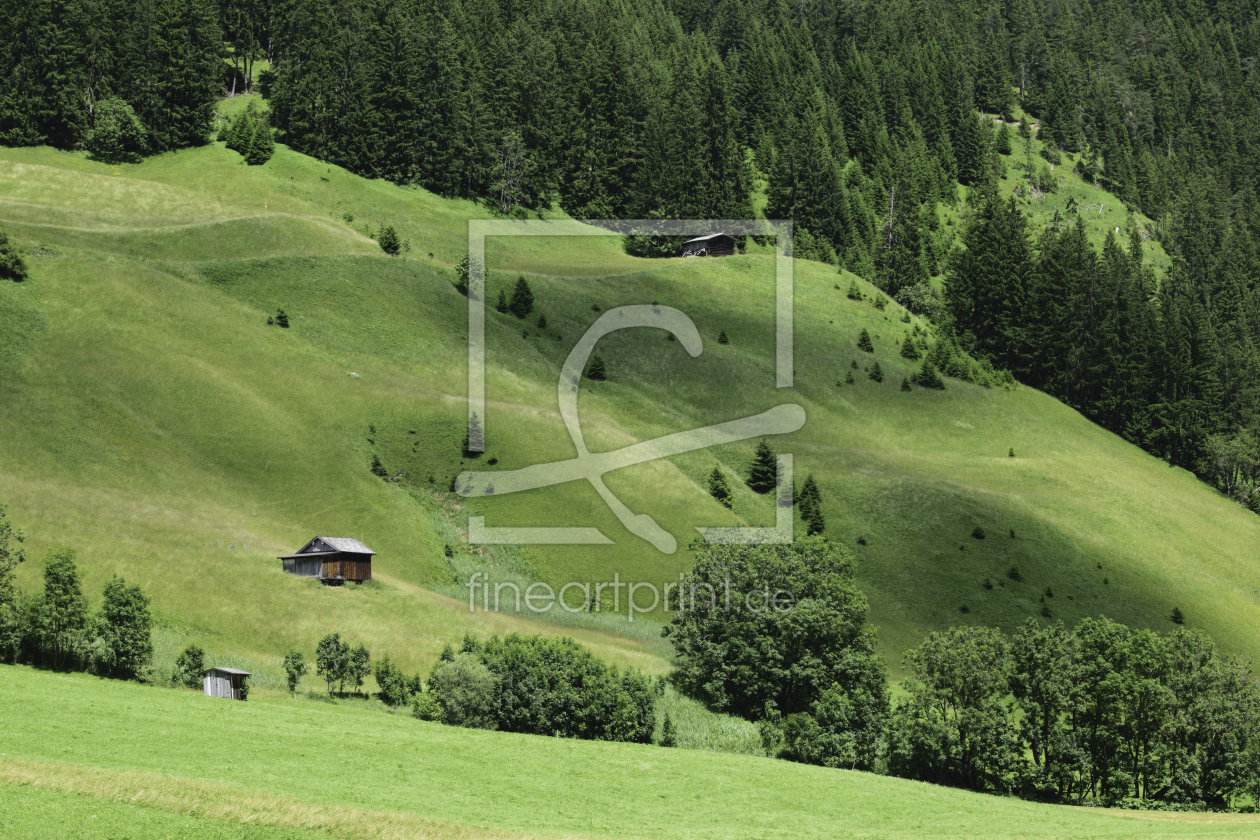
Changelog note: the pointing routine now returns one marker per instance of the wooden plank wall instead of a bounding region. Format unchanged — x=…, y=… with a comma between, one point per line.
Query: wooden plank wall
x=218, y=685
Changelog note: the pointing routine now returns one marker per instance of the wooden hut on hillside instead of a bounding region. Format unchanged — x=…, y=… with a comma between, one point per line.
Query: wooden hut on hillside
x=332, y=560
x=713, y=245
x=228, y=683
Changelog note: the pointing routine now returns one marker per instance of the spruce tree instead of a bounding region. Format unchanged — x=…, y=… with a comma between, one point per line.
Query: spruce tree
x=876, y=373
x=1002, y=140
x=864, y=342
x=720, y=489
x=502, y=305
x=763, y=475
x=909, y=350
x=522, y=298
x=669, y=733
x=811, y=507
x=12, y=266
x=388, y=240
x=597, y=372
x=261, y=145
x=722, y=339
x=927, y=377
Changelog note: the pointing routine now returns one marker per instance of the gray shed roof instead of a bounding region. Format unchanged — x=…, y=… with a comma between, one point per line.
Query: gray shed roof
x=347, y=544
x=229, y=671
x=707, y=238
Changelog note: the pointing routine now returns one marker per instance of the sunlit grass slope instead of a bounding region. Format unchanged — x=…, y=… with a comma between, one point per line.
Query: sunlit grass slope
x=151, y=418
x=297, y=764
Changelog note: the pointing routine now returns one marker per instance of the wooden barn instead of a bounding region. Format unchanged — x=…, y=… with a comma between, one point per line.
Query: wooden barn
x=713, y=245
x=227, y=683
x=333, y=560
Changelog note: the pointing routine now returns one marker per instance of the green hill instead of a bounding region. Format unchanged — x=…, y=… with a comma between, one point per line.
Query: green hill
x=150, y=418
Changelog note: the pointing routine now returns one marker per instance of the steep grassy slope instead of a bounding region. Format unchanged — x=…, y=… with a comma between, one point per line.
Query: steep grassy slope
x=306, y=765
x=149, y=417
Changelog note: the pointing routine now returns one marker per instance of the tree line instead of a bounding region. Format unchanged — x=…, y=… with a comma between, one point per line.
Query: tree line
x=516, y=683
x=862, y=118
x=1173, y=367
x=1099, y=713
x=55, y=629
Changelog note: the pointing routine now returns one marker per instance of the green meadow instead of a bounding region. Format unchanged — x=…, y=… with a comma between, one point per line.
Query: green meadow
x=152, y=420
x=166, y=763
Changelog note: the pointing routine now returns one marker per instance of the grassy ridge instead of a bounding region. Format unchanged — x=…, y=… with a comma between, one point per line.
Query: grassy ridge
x=264, y=761
x=151, y=418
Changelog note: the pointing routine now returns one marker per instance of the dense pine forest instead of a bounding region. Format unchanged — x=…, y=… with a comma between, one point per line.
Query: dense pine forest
x=863, y=120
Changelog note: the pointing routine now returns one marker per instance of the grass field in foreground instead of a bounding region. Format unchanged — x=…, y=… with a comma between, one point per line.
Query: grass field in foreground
x=307, y=765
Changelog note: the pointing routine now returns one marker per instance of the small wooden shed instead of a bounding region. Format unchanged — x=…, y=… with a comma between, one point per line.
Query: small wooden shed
x=224, y=682
x=713, y=245
x=332, y=560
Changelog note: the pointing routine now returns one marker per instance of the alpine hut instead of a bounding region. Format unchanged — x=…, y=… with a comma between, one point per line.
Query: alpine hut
x=228, y=683
x=713, y=245
x=332, y=560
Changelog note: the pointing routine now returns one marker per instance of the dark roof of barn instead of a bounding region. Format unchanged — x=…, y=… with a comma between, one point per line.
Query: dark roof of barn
x=347, y=544
x=340, y=545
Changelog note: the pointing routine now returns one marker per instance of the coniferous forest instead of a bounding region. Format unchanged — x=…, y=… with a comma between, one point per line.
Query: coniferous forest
x=864, y=118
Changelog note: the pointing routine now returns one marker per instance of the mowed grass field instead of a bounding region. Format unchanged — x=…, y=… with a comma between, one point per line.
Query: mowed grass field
x=151, y=419
x=157, y=760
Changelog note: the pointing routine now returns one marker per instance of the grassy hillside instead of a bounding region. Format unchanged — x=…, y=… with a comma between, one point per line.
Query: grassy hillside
x=302, y=766
x=150, y=418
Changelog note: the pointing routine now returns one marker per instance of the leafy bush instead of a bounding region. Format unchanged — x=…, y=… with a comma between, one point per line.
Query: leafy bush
x=190, y=666
x=557, y=687
x=842, y=729
x=794, y=628
x=358, y=667
x=295, y=667
x=11, y=613
x=117, y=134
x=464, y=688
x=953, y=728
x=541, y=686
x=123, y=646
x=425, y=706
x=396, y=687
x=59, y=623
x=332, y=658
